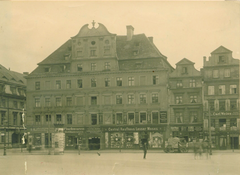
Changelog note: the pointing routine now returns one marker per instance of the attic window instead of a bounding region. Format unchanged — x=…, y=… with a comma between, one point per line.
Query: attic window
x=47, y=69
x=221, y=59
x=184, y=70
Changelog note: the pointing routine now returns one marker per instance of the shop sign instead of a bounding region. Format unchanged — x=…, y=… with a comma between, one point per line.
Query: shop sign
x=75, y=129
x=94, y=130
x=224, y=113
x=135, y=129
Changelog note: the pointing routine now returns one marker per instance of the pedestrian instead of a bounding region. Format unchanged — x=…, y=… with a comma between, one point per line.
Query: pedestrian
x=145, y=150
x=195, y=148
x=79, y=148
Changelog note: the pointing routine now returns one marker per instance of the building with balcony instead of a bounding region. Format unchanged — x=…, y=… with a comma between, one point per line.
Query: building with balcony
x=185, y=101
x=103, y=90
x=221, y=98
x=12, y=102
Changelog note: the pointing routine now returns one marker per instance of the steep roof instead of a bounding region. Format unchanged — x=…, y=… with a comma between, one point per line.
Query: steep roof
x=11, y=76
x=221, y=49
x=184, y=61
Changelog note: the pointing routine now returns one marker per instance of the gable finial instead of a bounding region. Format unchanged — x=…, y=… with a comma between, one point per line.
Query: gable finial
x=93, y=23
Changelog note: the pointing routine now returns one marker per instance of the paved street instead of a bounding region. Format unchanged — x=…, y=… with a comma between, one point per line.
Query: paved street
x=116, y=163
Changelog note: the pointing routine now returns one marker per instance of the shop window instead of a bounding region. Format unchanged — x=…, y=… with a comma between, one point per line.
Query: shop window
x=155, y=79
x=59, y=118
x=215, y=73
x=58, y=101
x=93, y=100
x=93, y=66
x=233, y=104
x=227, y=73
x=221, y=89
x=69, y=119
x=130, y=99
x=119, y=118
x=210, y=90
x=155, y=117
x=69, y=101
x=106, y=66
x=47, y=102
x=155, y=98
x=130, y=81
x=119, y=81
x=107, y=82
x=179, y=84
x=222, y=105
x=58, y=84
x=179, y=117
x=37, y=85
x=15, y=104
x=193, y=99
x=179, y=99
x=233, y=89
x=143, y=118
x=15, y=118
x=130, y=118
x=68, y=84
x=37, y=102
x=143, y=98
x=93, y=82
x=80, y=84
x=118, y=99
x=79, y=68
x=48, y=118
x=192, y=83
x=193, y=117
x=94, y=119
x=37, y=118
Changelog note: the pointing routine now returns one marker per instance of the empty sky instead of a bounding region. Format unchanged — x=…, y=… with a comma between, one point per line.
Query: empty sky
x=30, y=31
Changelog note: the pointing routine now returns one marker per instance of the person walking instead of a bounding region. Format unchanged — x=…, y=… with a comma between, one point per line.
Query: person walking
x=145, y=150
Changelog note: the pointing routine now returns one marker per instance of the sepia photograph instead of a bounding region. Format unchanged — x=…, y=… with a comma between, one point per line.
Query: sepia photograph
x=119, y=87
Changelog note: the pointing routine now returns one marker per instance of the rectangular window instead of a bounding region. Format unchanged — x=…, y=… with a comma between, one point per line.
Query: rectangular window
x=179, y=117
x=211, y=105
x=107, y=82
x=221, y=59
x=143, y=98
x=79, y=68
x=47, y=102
x=37, y=118
x=58, y=101
x=93, y=53
x=93, y=82
x=210, y=90
x=130, y=118
x=155, y=79
x=233, y=104
x=155, y=117
x=119, y=81
x=163, y=117
x=69, y=101
x=47, y=69
x=94, y=100
x=15, y=118
x=142, y=80
x=222, y=123
x=37, y=102
x=93, y=66
x=192, y=83
x=233, y=89
x=94, y=119
x=193, y=117
x=107, y=66
x=58, y=84
x=69, y=119
x=222, y=105
x=37, y=85
x=184, y=70
x=193, y=99
x=3, y=114
x=130, y=81
x=119, y=118
x=3, y=104
x=179, y=99
x=68, y=84
x=48, y=118
x=59, y=117
x=118, y=99
x=179, y=83
x=233, y=122
x=80, y=84
x=143, y=117
x=227, y=73
x=221, y=89
x=15, y=104
x=130, y=99
x=21, y=105
x=215, y=73
x=154, y=98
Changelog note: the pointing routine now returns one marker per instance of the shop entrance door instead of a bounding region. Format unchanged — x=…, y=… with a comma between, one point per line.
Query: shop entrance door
x=94, y=143
x=234, y=142
x=223, y=143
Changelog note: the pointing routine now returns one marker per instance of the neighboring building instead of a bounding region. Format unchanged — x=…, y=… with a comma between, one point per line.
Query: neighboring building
x=221, y=93
x=103, y=90
x=185, y=101
x=12, y=102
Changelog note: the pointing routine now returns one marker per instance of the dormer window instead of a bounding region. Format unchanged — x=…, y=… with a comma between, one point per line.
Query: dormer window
x=184, y=70
x=221, y=60
x=47, y=69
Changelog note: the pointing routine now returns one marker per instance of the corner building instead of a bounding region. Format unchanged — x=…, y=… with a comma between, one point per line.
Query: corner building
x=105, y=91
x=221, y=99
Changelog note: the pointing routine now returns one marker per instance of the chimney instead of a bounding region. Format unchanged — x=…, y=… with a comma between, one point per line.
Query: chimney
x=130, y=30
x=150, y=39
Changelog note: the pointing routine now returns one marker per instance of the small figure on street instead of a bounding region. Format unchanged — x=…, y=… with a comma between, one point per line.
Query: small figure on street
x=79, y=147
x=145, y=150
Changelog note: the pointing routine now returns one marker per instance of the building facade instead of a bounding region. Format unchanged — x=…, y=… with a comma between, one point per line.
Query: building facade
x=185, y=101
x=12, y=103
x=102, y=91
x=221, y=99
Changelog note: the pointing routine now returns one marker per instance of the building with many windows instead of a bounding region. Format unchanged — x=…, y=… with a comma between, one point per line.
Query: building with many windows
x=221, y=98
x=103, y=90
x=185, y=101
x=12, y=102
